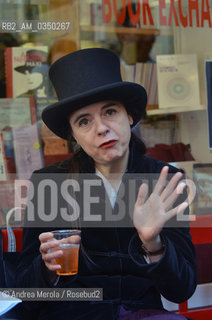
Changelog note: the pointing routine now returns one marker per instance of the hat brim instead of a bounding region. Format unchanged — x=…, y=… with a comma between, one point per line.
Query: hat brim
x=24, y=68
x=132, y=95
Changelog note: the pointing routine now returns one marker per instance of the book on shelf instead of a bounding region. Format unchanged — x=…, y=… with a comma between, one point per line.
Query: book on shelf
x=152, y=86
x=178, y=80
x=128, y=71
x=27, y=150
x=143, y=73
x=15, y=112
x=208, y=72
x=52, y=144
x=95, y=14
x=138, y=72
x=3, y=163
x=27, y=72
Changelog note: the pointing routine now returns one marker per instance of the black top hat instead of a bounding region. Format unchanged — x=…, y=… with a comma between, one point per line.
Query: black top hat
x=85, y=77
x=33, y=58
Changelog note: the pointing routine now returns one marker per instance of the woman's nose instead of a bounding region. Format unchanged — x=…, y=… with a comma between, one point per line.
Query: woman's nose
x=101, y=127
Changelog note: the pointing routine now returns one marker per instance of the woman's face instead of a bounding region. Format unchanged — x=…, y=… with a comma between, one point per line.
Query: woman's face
x=34, y=79
x=102, y=129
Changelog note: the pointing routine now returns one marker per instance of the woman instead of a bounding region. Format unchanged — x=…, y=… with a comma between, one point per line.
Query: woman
x=133, y=264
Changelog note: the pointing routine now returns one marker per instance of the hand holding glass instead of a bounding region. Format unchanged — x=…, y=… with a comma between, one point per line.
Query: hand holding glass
x=69, y=259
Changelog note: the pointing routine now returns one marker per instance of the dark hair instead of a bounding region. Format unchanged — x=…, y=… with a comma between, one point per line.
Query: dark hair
x=139, y=143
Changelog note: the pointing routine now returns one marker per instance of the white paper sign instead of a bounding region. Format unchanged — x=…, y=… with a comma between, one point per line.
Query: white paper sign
x=178, y=81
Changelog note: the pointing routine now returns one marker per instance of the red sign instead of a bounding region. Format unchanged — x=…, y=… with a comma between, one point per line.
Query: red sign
x=198, y=13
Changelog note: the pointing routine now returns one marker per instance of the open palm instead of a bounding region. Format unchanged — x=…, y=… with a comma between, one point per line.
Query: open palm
x=151, y=213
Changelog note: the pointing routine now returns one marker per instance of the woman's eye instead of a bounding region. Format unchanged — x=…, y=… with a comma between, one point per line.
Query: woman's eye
x=110, y=112
x=83, y=122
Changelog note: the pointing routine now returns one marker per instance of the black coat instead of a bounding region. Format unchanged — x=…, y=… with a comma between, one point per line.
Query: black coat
x=117, y=263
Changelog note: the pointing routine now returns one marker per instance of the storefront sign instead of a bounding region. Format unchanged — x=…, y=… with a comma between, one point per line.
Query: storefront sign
x=198, y=13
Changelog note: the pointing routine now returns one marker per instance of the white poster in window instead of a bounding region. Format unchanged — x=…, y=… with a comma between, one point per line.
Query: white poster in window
x=27, y=149
x=178, y=80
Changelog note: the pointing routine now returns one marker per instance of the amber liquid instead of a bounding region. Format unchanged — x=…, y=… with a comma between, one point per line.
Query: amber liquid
x=69, y=260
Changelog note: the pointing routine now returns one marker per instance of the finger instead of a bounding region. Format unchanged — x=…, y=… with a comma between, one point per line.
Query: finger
x=72, y=239
x=53, y=266
x=142, y=194
x=169, y=189
x=181, y=208
x=168, y=203
x=49, y=256
x=48, y=245
x=177, y=210
x=45, y=236
x=162, y=180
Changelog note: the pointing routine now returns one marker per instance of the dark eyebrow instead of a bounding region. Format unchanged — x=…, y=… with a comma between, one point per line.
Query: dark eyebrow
x=109, y=104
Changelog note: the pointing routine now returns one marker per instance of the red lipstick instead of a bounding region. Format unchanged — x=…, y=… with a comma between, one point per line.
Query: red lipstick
x=107, y=144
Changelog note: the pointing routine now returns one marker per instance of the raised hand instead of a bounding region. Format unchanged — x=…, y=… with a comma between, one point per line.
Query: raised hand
x=151, y=213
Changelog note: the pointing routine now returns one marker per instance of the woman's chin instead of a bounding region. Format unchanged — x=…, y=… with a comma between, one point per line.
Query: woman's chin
x=113, y=157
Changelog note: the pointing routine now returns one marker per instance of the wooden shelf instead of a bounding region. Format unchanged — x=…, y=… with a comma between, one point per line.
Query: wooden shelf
x=151, y=107
x=120, y=30
x=175, y=110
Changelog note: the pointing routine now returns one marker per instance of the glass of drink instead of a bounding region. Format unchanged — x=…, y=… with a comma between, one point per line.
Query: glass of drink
x=69, y=259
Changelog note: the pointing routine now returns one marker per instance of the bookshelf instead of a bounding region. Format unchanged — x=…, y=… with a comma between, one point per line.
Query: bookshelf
x=125, y=30
x=173, y=110
x=120, y=30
